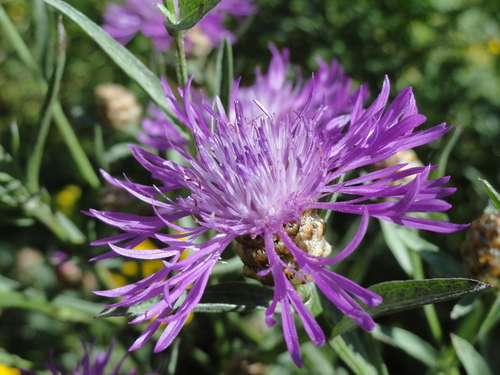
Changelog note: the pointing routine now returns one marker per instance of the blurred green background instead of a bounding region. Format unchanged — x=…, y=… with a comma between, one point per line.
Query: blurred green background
x=447, y=50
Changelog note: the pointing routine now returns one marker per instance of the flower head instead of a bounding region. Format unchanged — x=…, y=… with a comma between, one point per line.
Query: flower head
x=259, y=179
x=124, y=22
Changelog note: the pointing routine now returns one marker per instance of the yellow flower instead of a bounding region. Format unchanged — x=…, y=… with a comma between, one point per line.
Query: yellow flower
x=4, y=370
x=494, y=46
x=66, y=199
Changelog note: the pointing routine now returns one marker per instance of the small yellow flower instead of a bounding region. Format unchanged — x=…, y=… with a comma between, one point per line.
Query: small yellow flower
x=4, y=370
x=67, y=198
x=494, y=46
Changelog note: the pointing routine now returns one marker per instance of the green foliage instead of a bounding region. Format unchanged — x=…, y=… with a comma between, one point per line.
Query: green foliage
x=403, y=295
x=448, y=51
x=190, y=12
x=492, y=193
x=470, y=358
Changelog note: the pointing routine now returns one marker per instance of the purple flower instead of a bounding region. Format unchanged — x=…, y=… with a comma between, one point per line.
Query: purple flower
x=94, y=362
x=124, y=22
x=159, y=132
x=279, y=96
x=259, y=180
x=329, y=90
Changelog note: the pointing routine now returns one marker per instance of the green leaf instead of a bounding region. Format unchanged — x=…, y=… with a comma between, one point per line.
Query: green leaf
x=60, y=119
x=224, y=72
x=134, y=68
x=472, y=361
x=191, y=12
x=410, y=343
x=492, y=318
x=396, y=245
x=443, y=263
x=464, y=306
x=353, y=359
x=404, y=295
x=35, y=160
x=402, y=240
x=233, y=296
x=492, y=193
x=134, y=310
x=73, y=233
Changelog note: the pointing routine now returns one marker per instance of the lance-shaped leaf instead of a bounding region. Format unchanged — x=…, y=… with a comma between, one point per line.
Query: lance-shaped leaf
x=410, y=343
x=472, y=361
x=492, y=193
x=234, y=296
x=134, y=310
x=405, y=295
x=132, y=66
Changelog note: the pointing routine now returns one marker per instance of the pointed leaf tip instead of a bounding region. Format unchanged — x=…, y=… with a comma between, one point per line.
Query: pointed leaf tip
x=404, y=295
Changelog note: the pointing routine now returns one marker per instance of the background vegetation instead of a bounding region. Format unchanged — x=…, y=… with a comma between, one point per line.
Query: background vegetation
x=447, y=50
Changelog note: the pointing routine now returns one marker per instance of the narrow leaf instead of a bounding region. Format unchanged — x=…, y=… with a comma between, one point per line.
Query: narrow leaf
x=73, y=233
x=397, y=247
x=492, y=318
x=354, y=360
x=443, y=263
x=35, y=160
x=134, y=310
x=410, y=343
x=403, y=240
x=134, y=68
x=68, y=135
x=472, y=361
x=234, y=296
x=492, y=193
x=405, y=295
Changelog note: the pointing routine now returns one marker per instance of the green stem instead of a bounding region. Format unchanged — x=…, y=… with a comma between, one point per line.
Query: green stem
x=180, y=56
x=429, y=310
x=68, y=135
x=35, y=160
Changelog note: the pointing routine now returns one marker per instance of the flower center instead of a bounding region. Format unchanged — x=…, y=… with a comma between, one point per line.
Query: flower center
x=308, y=236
